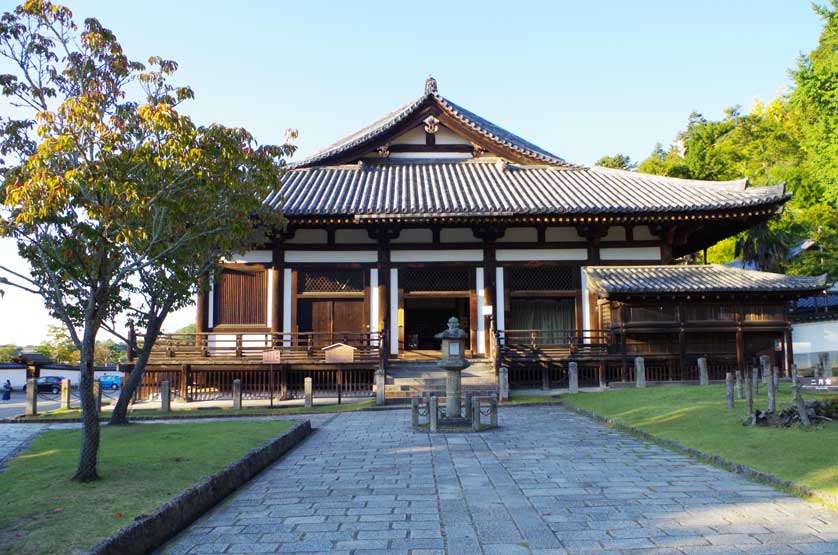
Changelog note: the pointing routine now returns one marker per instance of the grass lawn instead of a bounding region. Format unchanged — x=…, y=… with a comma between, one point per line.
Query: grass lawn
x=141, y=467
x=697, y=417
x=191, y=413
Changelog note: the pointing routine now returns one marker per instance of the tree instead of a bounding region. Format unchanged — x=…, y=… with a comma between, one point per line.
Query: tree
x=9, y=352
x=59, y=346
x=618, y=162
x=104, y=192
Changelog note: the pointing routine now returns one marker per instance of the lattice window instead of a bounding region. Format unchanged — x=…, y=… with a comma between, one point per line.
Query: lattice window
x=330, y=281
x=545, y=278
x=434, y=279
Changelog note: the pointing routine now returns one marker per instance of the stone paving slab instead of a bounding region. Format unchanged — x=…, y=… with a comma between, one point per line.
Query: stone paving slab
x=547, y=482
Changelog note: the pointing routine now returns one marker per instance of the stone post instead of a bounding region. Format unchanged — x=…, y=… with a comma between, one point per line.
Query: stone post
x=776, y=375
x=414, y=411
x=739, y=385
x=573, y=377
x=640, y=371
x=97, y=395
x=31, y=408
x=475, y=413
x=503, y=383
x=729, y=387
x=453, y=389
x=765, y=364
x=65, y=393
x=801, y=407
x=237, y=394
x=307, y=393
x=380, y=382
x=433, y=414
x=166, y=396
x=703, y=375
x=749, y=391
x=493, y=404
x=826, y=364
x=755, y=381
x=467, y=407
x=772, y=390
x=794, y=383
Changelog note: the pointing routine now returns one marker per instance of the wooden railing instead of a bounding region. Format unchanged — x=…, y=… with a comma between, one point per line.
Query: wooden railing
x=306, y=347
x=552, y=343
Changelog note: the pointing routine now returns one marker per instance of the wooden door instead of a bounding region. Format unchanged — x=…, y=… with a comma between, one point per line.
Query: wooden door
x=348, y=316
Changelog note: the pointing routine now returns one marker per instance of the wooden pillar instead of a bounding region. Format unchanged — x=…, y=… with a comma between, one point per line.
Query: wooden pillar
x=682, y=344
x=740, y=341
x=787, y=339
x=384, y=235
x=201, y=299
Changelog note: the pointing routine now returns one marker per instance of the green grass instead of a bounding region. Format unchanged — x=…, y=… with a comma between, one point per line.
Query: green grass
x=192, y=412
x=525, y=398
x=697, y=417
x=141, y=466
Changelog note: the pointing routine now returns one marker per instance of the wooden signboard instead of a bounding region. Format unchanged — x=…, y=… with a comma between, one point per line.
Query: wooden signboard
x=339, y=353
x=271, y=357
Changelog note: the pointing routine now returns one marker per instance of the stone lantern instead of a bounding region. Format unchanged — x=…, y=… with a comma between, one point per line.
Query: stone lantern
x=453, y=361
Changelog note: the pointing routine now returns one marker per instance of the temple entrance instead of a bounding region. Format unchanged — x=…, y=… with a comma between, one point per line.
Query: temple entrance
x=432, y=295
x=422, y=317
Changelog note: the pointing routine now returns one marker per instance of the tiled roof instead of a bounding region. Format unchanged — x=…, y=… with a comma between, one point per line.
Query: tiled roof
x=611, y=280
x=489, y=186
x=370, y=133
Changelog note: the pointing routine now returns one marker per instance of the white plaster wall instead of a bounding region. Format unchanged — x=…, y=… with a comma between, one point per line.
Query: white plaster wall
x=250, y=257
x=414, y=236
x=331, y=256
x=519, y=235
x=457, y=235
x=615, y=233
x=643, y=233
x=481, y=302
x=500, y=317
x=287, y=325
x=630, y=253
x=394, y=311
x=353, y=237
x=374, y=301
x=458, y=255
x=309, y=236
x=524, y=255
x=557, y=234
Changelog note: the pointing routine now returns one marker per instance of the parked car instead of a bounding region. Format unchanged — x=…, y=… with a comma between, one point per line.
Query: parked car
x=48, y=384
x=110, y=381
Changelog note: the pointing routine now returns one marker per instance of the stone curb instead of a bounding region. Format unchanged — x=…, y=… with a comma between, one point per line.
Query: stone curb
x=266, y=414
x=151, y=531
x=716, y=460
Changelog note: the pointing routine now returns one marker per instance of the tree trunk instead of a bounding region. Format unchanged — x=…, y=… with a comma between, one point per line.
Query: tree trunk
x=119, y=416
x=88, y=459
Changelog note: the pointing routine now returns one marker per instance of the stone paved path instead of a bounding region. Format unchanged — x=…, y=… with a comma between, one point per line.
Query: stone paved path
x=548, y=482
x=14, y=437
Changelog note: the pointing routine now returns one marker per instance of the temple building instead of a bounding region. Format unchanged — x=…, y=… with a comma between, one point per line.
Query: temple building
x=433, y=211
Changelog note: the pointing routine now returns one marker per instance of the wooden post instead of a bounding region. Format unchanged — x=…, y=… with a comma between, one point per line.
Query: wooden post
x=237, y=394
x=682, y=349
x=165, y=396
x=31, y=408
x=739, y=385
x=414, y=411
x=772, y=405
x=201, y=299
x=573, y=377
x=475, y=414
x=740, y=343
x=545, y=377
x=703, y=375
x=749, y=391
x=186, y=377
x=640, y=371
x=433, y=414
x=238, y=345
x=340, y=384
x=65, y=393
x=801, y=407
x=789, y=349
x=308, y=393
x=283, y=382
x=729, y=384
x=601, y=374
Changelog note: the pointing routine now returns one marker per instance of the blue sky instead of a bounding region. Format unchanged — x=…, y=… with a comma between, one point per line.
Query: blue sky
x=581, y=79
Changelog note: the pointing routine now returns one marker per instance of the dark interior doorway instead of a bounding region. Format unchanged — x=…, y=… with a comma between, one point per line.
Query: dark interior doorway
x=425, y=317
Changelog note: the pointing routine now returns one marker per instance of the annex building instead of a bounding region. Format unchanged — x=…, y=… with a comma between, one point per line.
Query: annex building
x=433, y=211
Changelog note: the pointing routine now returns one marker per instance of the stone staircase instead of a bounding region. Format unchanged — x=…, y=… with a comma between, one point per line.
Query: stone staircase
x=406, y=378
